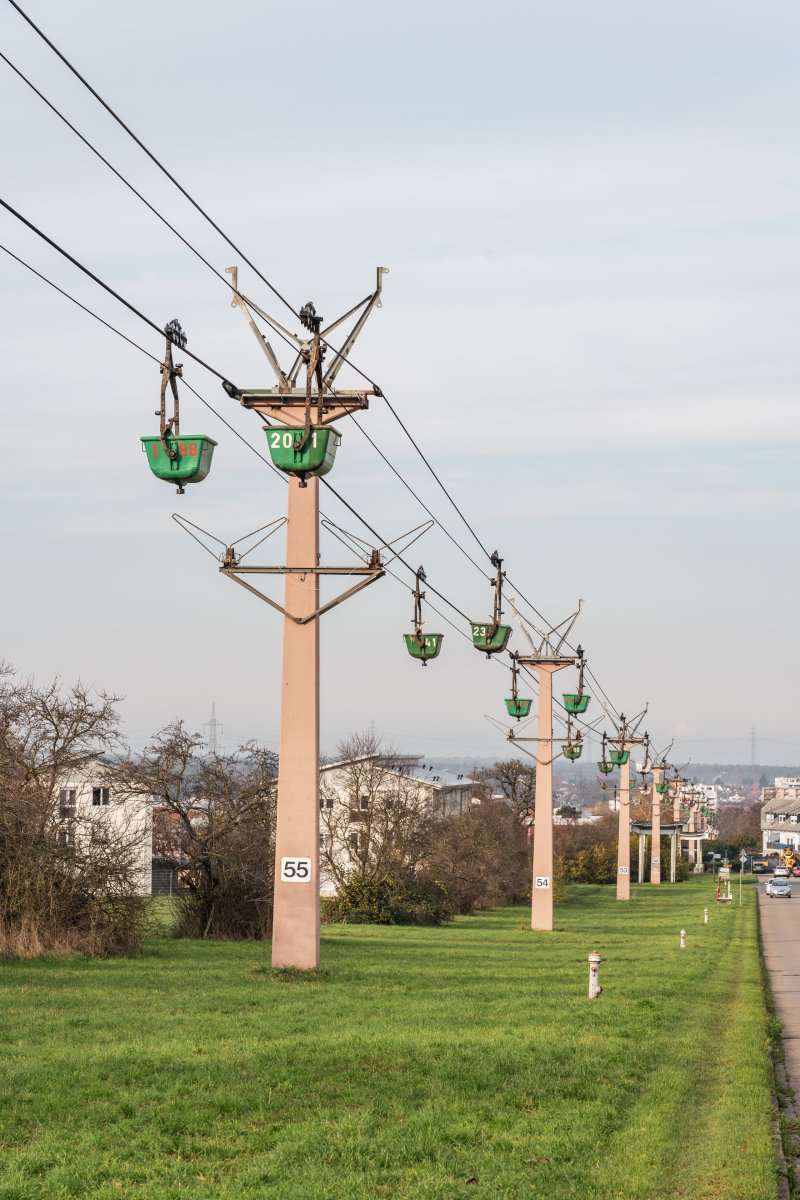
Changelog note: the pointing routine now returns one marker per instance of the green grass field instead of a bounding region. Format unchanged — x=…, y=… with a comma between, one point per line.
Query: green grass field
x=457, y=1062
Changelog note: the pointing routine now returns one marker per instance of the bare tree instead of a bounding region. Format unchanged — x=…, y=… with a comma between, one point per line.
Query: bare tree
x=375, y=820
x=482, y=857
x=514, y=779
x=217, y=816
x=68, y=877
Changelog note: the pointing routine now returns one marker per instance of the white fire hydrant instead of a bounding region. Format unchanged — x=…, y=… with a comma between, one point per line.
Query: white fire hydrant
x=705, y=916
x=594, y=975
x=683, y=939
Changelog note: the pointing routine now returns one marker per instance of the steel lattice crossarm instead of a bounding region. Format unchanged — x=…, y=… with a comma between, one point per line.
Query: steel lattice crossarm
x=288, y=401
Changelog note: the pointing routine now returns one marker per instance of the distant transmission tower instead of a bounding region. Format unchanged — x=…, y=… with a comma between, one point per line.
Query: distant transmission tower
x=753, y=746
x=214, y=727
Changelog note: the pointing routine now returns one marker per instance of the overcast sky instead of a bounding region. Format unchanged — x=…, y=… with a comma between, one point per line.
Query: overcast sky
x=590, y=216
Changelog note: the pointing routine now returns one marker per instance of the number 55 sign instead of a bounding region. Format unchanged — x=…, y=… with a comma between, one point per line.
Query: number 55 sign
x=295, y=870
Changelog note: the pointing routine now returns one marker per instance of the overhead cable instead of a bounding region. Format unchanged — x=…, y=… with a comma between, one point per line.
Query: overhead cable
x=149, y=153
x=96, y=279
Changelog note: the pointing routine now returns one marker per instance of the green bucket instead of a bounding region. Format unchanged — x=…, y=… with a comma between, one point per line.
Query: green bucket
x=490, y=638
x=192, y=460
x=519, y=707
x=315, y=458
x=423, y=646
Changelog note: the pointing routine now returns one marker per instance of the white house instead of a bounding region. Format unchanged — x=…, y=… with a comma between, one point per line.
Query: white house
x=780, y=813
x=355, y=793
x=91, y=814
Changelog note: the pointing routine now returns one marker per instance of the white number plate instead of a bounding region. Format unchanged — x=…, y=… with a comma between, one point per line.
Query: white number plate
x=543, y=881
x=623, y=870
x=295, y=870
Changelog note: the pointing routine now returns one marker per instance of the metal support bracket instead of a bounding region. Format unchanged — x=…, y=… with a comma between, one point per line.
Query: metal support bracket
x=549, y=644
x=372, y=576
x=288, y=394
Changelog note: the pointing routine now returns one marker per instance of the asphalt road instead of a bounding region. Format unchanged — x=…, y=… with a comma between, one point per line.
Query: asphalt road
x=780, y=930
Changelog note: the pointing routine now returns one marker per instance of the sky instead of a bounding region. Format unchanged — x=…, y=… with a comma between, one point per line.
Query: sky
x=590, y=218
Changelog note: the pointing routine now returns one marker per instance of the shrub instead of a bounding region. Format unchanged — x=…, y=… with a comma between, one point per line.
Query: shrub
x=388, y=902
x=593, y=864
x=484, y=856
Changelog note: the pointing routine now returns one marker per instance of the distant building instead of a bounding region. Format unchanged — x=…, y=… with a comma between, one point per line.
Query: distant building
x=709, y=795
x=353, y=791
x=95, y=819
x=780, y=813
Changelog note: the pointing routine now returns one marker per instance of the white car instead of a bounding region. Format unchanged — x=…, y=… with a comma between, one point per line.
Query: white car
x=777, y=887
x=781, y=873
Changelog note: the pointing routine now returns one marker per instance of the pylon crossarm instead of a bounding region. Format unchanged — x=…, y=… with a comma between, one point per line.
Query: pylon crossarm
x=286, y=381
x=228, y=554
x=366, y=552
x=508, y=730
x=371, y=576
x=241, y=302
x=340, y=356
x=550, y=643
x=570, y=625
x=513, y=737
x=661, y=763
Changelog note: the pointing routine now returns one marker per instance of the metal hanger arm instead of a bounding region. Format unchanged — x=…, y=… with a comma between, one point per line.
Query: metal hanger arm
x=340, y=358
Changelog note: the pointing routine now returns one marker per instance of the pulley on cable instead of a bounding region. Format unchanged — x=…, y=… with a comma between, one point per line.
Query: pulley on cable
x=422, y=646
x=309, y=450
x=173, y=458
x=604, y=765
x=577, y=702
x=490, y=636
x=516, y=705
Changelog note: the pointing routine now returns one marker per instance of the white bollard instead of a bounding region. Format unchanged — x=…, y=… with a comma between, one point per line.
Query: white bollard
x=705, y=916
x=594, y=975
x=683, y=939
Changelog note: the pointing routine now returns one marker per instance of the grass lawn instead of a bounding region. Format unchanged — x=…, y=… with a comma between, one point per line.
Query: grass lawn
x=457, y=1062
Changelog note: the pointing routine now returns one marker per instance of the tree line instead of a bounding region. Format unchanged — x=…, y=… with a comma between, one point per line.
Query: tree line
x=390, y=848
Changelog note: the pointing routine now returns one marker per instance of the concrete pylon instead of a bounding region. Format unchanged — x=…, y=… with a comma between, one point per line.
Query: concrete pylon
x=655, y=852
x=542, y=880
x=295, y=934
x=624, y=828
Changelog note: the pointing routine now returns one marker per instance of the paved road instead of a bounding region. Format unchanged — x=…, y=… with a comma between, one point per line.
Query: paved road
x=780, y=928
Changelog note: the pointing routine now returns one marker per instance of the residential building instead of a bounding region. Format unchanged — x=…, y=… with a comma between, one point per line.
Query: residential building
x=780, y=813
x=91, y=813
x=363, y=800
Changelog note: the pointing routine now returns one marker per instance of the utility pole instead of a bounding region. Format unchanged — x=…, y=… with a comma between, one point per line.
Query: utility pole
x=620, y=755
x=301, y=421
x=545, y=659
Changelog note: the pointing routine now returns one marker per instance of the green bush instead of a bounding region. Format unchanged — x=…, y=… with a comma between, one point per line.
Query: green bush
x=593, y=864
x=389, y=902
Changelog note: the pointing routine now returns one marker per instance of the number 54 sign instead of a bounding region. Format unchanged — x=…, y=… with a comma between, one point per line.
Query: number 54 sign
x=295, y=870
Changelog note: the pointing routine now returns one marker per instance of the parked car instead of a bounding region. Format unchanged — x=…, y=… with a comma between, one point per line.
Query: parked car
x=778, y=887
